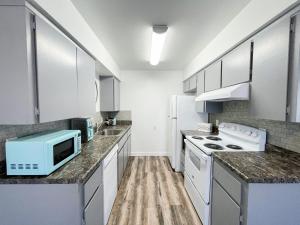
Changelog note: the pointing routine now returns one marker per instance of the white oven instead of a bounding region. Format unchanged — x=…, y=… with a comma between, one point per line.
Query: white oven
x=197, y=179
x=198, y=160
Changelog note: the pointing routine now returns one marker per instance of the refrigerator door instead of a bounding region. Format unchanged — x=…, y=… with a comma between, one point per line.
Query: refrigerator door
x=187, y=116
x=173, y=142
x=187, y=119
x=173, y=107
x=182, y=116
x=172, y=124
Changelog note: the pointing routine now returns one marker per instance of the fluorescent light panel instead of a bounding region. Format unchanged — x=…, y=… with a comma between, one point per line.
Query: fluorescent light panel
x=159, y=34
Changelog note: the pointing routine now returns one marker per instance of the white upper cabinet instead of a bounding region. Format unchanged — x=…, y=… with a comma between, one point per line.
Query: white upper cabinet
x=86, y=84
x=213, y=76
x=109, y=94
x=236, y=65
x=270, y=71
x=193, y=83
x=18, y=97
x=206, y=107
x=190, y=85
x=186, y=86
x=56, y=73
x=40, y=79
x=200, y=106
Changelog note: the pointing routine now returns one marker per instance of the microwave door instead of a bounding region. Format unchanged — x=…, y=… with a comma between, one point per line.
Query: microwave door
x=63, y=150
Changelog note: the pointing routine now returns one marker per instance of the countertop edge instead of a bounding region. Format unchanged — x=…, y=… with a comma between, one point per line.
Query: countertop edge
x=250, y=180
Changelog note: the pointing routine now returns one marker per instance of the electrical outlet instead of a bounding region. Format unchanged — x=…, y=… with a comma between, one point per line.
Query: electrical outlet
x=217, y=123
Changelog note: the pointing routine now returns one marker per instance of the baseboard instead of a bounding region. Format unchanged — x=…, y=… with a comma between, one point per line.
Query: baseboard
x=149, y=153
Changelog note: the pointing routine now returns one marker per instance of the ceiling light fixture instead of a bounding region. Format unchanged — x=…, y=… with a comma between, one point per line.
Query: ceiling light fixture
x=159, y=34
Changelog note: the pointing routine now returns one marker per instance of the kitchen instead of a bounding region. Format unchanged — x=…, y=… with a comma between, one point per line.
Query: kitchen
x=139, y=112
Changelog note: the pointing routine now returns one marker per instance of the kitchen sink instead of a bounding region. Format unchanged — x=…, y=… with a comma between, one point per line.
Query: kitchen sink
x=109, y=132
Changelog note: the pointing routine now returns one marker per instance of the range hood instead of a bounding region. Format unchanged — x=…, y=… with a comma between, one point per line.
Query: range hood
x=235, y=92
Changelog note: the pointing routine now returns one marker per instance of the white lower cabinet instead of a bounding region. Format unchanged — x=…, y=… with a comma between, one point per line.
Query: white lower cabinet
x=110, y=182
x=92, y=212
x=237, y=202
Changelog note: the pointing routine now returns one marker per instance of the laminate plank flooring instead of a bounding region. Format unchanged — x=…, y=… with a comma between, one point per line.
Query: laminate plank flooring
x=151, y=193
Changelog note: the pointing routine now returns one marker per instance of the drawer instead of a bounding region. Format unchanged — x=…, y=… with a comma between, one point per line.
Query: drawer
x=92, y=184
x=93, y=213
x=223, y=210
x=231, y=185
x=201, y=207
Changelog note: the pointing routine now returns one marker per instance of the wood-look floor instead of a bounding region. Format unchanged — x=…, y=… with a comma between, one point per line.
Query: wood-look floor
x=152, y=194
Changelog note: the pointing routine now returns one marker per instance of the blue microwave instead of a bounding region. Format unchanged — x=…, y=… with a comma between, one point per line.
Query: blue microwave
x=43, y=153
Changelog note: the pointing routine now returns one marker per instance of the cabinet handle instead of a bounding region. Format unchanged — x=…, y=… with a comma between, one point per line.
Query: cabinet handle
x=97, y=91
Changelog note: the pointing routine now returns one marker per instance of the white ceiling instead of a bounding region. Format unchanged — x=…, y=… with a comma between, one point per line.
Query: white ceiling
x=124, y=27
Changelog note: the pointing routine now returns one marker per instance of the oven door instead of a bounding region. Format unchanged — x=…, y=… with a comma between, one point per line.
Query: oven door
x=198, y=168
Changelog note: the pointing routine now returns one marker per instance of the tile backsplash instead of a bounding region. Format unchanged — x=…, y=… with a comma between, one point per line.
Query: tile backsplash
x=120, y=115
x=282, y=134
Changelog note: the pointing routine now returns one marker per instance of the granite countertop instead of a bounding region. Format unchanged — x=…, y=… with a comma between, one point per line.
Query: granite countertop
x=194, y=132
x=80, y=168
x=275, y=165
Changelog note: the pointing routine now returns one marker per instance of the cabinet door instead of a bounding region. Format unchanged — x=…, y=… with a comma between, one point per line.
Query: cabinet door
x=110, y=186
x=56, y=70
x=93, y=213
x=125, y=155
x=129, y=145
x=186, y=85
x=116, y=94
x=206, y=107
x=270, y=71
x=18, y=97
x=109, y=94
x=120, y=165
x=224, y=210
x=213, y=76
x=86, y=84
x=200, y=106
x=193, y=83
x=236, y=65
x=106, y=94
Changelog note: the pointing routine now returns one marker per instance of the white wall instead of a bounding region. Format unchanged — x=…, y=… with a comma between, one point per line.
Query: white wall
x=65, y=13
x=146, y=94
x=252, y=17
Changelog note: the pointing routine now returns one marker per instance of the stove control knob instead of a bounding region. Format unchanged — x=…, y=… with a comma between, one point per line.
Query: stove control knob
x=248, y=133
x=254, y=134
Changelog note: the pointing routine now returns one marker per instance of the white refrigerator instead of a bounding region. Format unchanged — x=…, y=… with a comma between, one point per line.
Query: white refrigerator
x=182, y=116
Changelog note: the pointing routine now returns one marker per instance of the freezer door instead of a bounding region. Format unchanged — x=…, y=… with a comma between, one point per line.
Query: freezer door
x=187, y=116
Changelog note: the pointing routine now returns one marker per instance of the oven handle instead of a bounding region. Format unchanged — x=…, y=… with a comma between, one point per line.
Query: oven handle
x=196, y=152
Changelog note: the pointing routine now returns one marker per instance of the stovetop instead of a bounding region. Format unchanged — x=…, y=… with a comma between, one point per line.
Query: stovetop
x=232, y=137
x=209, y=145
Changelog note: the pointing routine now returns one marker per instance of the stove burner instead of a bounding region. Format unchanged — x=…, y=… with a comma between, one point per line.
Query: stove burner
x=236, y=147
x=197, y=137
x=213, y=146
x=213, y=138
